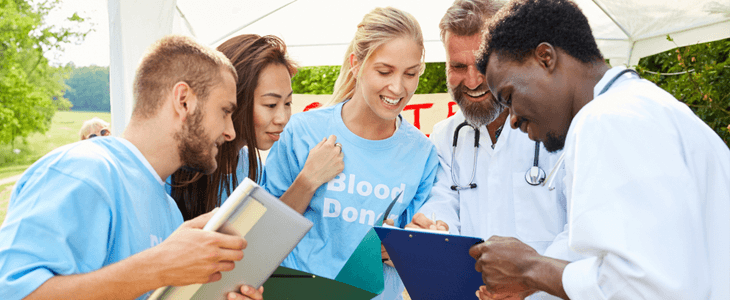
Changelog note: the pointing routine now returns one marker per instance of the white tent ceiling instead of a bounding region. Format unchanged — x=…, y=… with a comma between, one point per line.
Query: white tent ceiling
x=317, y=31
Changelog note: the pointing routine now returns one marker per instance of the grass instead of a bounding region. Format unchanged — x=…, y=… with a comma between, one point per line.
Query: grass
x=64, y=130
x=5, y=190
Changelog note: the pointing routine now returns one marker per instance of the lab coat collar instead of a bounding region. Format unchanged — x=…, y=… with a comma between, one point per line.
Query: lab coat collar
x=606, y=78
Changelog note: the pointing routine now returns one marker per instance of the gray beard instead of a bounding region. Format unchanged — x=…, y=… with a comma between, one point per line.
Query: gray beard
x=477, y=114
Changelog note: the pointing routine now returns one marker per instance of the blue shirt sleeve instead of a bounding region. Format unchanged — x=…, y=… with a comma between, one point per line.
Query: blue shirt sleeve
x=428, y=178
x=56, y=225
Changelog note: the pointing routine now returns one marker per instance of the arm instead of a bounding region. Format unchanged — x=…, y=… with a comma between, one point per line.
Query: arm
x=442, y=201
x=323, y=163
x=188, y=256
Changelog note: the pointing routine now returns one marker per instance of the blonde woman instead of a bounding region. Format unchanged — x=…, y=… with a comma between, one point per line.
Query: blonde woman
x=383, y=154
x=94, y=127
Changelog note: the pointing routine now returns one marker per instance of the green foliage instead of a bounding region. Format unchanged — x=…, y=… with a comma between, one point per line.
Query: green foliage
x=433, y=79
x=321, y=80
x=315, y=80
x=28, y=83
x=699, y=76
x=88, y=89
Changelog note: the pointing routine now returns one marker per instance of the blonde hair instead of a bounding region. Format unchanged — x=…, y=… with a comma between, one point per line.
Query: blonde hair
x=92, y=125
x=378, y=27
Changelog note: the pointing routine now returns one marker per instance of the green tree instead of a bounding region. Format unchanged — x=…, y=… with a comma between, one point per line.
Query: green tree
x=699, y=76
x=31, y=90
x=88, y=88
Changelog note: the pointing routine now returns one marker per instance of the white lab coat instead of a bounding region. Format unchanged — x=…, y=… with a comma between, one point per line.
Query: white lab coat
x=503, y=203
x=648, y=187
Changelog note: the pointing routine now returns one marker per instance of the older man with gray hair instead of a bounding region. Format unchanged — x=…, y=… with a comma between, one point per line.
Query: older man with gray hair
x=490, y=180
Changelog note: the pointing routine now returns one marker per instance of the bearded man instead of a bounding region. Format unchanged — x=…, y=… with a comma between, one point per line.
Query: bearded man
x=92, y=219
x=485, y=184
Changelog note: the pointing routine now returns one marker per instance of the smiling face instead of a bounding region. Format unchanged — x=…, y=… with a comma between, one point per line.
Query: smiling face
x=208, y=126
x=466, y=85
x=389, y=78
x=272, y=104
x=539, y=103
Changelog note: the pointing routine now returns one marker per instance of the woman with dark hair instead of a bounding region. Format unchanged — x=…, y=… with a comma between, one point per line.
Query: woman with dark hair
x=264, y=97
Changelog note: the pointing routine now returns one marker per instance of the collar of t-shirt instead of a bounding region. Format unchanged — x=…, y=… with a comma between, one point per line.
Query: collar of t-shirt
x=141, y=158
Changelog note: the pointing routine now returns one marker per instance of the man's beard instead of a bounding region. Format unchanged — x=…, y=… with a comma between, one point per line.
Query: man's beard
x=477, y=114
x=554, y=142
x=194, y=146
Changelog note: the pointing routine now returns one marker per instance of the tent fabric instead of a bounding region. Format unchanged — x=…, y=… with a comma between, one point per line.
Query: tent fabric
x=317, y=32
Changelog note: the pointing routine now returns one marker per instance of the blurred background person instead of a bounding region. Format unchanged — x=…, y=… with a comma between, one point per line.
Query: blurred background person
x=94, y=127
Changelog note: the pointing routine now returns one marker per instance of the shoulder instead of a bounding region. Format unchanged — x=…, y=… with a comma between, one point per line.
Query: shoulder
x=632, y=103
x=310, y=120
x=417, y=141
x=85, y=160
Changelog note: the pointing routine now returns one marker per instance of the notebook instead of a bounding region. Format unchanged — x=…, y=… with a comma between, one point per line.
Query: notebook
x=272, y=230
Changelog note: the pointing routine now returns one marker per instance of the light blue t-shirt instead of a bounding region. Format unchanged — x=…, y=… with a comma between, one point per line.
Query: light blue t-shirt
x=79, y=208
x=241, y=173
x=347, y=207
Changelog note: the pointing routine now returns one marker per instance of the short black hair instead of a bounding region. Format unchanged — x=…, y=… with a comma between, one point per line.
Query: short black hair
x=521, y=25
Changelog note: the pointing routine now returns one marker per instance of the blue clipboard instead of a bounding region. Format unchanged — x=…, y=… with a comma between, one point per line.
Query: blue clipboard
x=432, y=265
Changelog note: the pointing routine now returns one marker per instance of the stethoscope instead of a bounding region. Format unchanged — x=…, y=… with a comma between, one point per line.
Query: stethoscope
x=534, y=176
x=551, y=178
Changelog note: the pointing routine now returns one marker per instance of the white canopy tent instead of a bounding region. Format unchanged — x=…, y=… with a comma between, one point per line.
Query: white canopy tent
x=317, y=32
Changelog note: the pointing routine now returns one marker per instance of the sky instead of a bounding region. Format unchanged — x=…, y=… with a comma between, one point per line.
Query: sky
x=94, y=50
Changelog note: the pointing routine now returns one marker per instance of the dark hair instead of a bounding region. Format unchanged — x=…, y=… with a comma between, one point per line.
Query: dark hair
x=519, y=27
x=467, y=17
x=250, y=55
x=172, y=59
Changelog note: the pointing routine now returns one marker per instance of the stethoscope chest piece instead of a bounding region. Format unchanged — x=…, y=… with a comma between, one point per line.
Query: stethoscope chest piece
x=535, y=176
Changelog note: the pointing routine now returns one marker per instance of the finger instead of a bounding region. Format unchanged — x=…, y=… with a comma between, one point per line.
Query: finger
x=225, y=266
x=331, y=140
x=421, y=221
x=227, y=241
x=229, y=255
x=214, y=277
x=389, y=222
x=477, y=250
x=200, y=221
x=441, y=225
x=248, y=292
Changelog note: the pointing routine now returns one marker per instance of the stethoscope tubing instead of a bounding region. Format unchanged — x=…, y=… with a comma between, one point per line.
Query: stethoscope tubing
x=534, y=176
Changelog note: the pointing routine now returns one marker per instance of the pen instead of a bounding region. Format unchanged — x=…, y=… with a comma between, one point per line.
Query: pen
x=433, y=219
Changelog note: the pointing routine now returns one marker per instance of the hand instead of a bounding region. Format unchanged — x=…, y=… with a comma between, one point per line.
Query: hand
x=421, y=221
x=247, y=293
x=324, y=162
x=383, y=252
x=503, y=262
x=191, y=255
x=507, y=292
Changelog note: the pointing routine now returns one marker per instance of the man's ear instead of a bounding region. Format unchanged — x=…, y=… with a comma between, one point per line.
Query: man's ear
x=354, y=65
x=546, y=55
x=183, y=100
